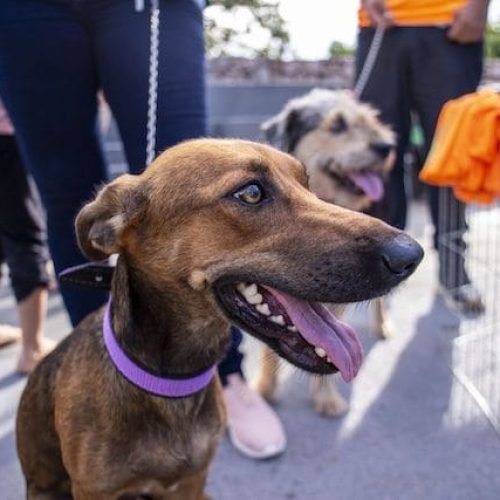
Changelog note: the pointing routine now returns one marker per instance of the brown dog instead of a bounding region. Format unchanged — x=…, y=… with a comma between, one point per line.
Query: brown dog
x=207, y=222
x=347, y=152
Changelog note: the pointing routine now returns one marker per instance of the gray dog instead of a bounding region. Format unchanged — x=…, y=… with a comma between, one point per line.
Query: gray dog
x=347, y=152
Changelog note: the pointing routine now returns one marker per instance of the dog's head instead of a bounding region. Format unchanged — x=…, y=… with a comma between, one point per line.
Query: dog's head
x=228, y=228
x=345, y=148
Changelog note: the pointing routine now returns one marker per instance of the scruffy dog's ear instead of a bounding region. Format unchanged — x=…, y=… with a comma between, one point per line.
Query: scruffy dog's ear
x=101, y=223
x=285, y=129
x=273, y=130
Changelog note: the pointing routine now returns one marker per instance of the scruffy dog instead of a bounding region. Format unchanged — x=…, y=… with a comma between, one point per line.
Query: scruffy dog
x=347, y=152
x=129, y=405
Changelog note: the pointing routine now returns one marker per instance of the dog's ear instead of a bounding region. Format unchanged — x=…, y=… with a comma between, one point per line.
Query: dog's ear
x=272, y=129
x=285, y=129
x=100, y=224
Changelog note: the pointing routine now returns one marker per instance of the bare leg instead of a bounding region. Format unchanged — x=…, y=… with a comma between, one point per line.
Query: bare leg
x=32, y=311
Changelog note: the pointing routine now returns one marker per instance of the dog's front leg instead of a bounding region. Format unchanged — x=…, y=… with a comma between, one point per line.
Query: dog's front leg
x=327, y=400
x=189, y=488
x=382, y=327
x=267, y=379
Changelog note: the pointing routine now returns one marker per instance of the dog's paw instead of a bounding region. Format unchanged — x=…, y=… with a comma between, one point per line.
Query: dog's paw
x=383, y=330
x=266, y=387
x=333, y=406
x=326, y=399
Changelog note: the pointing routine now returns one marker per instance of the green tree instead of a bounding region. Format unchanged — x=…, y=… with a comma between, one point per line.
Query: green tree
x=492, y=41
x=339, y=49
x=251, y=28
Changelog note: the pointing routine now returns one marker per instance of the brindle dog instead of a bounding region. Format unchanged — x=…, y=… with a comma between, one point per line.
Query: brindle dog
x=347, y=152
x=206, y=221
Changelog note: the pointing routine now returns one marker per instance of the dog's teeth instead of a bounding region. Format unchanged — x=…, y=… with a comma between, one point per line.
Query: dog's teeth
x=320, y=352
x=263, y=309
x=241, y=287
x=278, y=319
x=292, y=328
x=254, y=299
x=250, y=293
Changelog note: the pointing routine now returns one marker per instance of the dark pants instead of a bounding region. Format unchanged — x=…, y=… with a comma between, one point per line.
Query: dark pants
x=417, y=70
x=54, y=57
x=23, y=236
x=232, y=362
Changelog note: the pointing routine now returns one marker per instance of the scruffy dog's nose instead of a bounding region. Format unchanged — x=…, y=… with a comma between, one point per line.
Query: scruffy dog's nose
x=402, y=255
x=382, y=148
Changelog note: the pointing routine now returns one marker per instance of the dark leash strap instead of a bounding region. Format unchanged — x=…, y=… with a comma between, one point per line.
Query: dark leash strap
x=90, y=275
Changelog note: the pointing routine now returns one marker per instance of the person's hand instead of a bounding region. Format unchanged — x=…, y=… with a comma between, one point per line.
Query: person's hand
x=377, y=12
x=469, y=23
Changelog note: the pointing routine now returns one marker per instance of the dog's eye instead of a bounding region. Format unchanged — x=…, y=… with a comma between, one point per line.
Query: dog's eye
x=252, y=194
x=339, y=125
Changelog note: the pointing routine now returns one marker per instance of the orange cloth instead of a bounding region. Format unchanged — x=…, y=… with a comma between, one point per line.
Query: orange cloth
x=418, y=12
x=465, y=153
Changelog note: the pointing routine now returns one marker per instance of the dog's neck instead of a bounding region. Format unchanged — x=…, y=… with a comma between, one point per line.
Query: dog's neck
x=164, y=333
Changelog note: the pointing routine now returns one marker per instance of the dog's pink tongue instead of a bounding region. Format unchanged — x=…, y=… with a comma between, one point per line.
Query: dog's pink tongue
x=370, y=184
x=322, y=329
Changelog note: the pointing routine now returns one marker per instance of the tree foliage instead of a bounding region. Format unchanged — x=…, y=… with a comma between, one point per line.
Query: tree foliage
x=250, y=28
x=338, y=49
x=492, y=41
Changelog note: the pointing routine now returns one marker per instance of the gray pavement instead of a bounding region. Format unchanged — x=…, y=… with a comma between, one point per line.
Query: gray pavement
x=413, y=430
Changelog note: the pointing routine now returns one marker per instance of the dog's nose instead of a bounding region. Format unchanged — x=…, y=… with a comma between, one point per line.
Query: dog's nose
x=402, y=255
x=382, y=148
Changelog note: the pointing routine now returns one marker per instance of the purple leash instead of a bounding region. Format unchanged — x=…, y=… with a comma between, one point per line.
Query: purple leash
x=159, y=386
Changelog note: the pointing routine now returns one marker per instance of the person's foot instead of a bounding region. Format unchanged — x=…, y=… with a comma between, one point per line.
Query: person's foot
x=465, y=298
x=254, y=428
x=9, y=335
x=30, y=357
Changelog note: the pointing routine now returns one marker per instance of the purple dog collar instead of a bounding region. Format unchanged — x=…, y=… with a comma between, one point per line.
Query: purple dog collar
x=159, y=386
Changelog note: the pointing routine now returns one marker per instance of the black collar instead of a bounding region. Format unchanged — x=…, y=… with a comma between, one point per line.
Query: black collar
x=90, y=275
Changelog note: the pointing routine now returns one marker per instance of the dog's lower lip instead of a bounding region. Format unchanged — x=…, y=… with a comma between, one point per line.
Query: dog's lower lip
x=273, y=327
x=346, y=183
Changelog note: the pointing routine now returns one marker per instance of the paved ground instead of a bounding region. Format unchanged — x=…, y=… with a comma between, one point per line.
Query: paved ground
x=413, y=431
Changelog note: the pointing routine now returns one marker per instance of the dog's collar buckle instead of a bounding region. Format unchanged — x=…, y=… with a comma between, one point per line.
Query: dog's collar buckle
x=159, y=386
x=88, y=275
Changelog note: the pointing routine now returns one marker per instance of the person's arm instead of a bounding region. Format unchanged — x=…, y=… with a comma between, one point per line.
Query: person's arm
x=377, y=12
x=469, y=23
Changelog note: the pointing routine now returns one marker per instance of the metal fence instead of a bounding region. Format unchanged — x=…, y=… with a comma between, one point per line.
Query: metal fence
x=475, y=358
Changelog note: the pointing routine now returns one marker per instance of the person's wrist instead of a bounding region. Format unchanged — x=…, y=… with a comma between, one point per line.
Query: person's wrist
x=480, y=4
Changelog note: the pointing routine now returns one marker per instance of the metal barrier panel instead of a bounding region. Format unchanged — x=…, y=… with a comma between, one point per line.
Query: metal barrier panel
x=476, y=348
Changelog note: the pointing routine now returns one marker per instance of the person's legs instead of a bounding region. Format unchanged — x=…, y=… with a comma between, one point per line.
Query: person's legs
x=254, y=427
x=32, y=313
x=24, y=240
x=8, y=333
x=180, y=107
x=443, y=70
x=387, y=90
x=48, y=84
x=231, y=364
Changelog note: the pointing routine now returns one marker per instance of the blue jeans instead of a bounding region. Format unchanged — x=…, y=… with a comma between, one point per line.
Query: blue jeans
x=55, y=55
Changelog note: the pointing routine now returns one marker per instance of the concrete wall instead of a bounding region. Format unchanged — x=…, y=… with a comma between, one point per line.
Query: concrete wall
x=237, y=110
x=234, y=110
